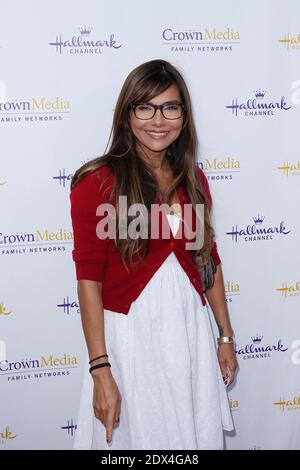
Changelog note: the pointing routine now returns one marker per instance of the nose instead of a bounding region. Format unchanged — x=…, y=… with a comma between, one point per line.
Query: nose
x=158, y=117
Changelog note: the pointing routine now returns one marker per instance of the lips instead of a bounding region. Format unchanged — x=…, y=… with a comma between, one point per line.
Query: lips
x=157, y=134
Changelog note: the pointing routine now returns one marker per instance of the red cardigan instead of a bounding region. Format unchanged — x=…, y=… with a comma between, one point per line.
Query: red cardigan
x=99, y=260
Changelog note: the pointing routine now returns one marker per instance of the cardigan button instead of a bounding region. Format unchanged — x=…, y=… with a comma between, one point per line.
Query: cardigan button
x=172, y=245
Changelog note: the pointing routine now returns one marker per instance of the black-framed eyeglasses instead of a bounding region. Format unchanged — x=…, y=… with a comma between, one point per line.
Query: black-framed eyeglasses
x=169, y=110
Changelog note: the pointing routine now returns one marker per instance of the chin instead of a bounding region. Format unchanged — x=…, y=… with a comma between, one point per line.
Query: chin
x=157, y=147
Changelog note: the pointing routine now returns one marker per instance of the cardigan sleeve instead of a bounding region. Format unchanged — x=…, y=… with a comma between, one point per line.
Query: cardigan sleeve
x=205, y=185
x=90, y=252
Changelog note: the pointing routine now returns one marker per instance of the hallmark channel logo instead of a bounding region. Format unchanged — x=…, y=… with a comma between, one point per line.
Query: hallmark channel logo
x=258, y=231
x=196, y=40
x=70, y=427
x=34, y=110
x=290, y=42
x=63, y=178
x=3, y=310
x=289, y=290
x=84, y=43
x=291, y=404
x=259, y=350
x=6, y=435
x=220, y=170
x=290, y=169
x=69, y=307
x=38, y=242
x=45, y=367
x=260, y=105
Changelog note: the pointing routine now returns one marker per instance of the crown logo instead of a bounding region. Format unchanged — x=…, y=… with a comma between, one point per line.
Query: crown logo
x=86, y=31
x=259, y=93
x=258, y=220
x=257, y=338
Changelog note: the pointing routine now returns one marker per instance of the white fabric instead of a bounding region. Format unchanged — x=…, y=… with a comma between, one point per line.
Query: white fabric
x=174, y=222
x=163, y=358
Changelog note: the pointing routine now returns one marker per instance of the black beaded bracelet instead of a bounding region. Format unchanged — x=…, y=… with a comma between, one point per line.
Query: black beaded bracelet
x=105, y=364
x=98, y=357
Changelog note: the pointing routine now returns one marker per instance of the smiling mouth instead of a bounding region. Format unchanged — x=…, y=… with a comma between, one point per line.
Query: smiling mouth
x=157, y=134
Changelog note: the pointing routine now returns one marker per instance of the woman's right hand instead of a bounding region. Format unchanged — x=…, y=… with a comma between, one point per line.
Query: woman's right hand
x=106, y=400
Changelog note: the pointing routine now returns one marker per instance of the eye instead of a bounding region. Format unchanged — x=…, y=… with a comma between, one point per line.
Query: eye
x=172, y=107
x=143, y=107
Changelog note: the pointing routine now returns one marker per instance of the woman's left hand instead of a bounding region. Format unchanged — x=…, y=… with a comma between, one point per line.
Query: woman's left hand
x=227, y=360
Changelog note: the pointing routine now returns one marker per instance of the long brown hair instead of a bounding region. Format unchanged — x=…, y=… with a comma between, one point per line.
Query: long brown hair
x=132, y=177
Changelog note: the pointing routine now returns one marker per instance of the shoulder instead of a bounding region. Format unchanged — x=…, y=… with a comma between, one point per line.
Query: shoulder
x=94, y=181
x=94, y=187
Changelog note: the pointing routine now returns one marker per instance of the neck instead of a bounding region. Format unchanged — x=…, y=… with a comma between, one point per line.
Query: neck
x=154, y=160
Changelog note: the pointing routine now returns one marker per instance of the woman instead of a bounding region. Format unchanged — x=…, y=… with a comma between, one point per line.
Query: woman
x=153, y=378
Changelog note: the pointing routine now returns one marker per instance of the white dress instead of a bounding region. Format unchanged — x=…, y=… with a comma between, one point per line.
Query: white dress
x=163, y=358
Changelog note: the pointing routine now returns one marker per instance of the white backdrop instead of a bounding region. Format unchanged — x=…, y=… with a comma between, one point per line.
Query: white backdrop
x=241, y=61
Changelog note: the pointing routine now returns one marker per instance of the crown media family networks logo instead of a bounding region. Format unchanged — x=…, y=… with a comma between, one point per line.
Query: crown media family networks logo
x=34, y=110
x=84, y=42
x=232, y=289
x=45, y=367
x=212, y=40
x=217, y=169
x=40, y=241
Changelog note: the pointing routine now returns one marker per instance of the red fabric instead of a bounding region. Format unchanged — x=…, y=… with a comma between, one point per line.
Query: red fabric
x=99, y=260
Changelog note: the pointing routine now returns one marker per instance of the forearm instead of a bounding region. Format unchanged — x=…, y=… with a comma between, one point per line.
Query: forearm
x=92, y=317
x=217, y=301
